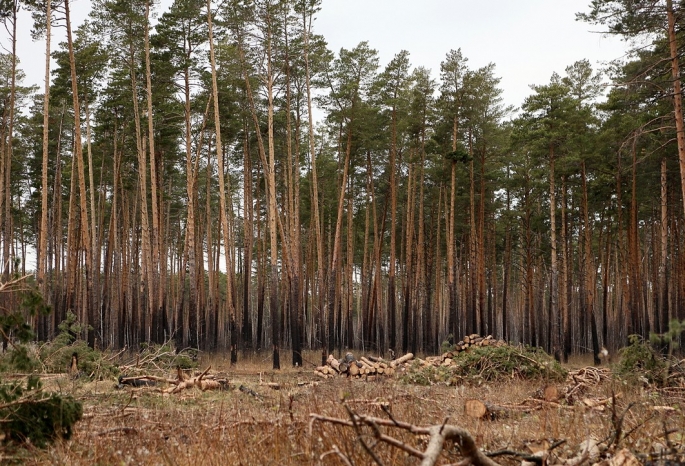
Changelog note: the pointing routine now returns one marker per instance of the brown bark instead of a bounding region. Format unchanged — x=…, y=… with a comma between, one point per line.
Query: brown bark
x=155, y=295
x=677, y=94
x=554, y=278
x=43, y=246
x=223, y=188
x=78, y=155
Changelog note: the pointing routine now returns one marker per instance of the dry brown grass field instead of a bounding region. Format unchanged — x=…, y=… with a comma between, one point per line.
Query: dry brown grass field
x=265, y=426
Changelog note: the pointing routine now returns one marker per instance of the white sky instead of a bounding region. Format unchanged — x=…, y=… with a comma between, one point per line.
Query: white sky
x=527, y=40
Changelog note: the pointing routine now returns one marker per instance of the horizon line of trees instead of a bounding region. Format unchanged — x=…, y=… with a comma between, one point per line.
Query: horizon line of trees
x=173, y=184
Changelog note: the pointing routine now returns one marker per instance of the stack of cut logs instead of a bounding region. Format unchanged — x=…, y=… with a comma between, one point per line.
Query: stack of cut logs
x=367, y=367
x=471, y=341
x=476, y=340
x=372, y=366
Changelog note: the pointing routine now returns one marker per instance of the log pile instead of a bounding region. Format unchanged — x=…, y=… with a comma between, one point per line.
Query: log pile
x=372, y=366
x=467, y=343
x=475, y=340
x=367, y=367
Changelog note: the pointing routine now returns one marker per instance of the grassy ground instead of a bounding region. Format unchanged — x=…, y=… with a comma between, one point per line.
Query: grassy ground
x=233, y=427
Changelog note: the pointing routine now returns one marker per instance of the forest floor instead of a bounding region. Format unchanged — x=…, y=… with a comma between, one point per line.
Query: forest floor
x=269, y=421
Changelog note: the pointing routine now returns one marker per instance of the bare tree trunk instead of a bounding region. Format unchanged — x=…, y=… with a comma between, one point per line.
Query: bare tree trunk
x=78, y=149
x=43, y=247
x=392, y=298
x=7, y=153
x=453, y=318
x=677, y=94
x=408, y=262
x=663, y=304
x=316, y=218
x=565, y=328
x=480, y=252
x=222, y=188
x=590, y=271
x=156, y=290
x=248, y=227
x=554, y=278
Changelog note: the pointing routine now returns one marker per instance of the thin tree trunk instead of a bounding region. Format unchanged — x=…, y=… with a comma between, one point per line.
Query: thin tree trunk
x=155, y=294
x=222, y=186
x=78, y=149
x=677, y=94
x=43, y=247
x=554, y=278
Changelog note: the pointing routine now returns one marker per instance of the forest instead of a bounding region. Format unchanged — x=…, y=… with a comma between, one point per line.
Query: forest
x=213, y=175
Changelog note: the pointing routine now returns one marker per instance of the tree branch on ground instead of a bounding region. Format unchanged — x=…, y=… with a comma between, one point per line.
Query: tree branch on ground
x=438, y=434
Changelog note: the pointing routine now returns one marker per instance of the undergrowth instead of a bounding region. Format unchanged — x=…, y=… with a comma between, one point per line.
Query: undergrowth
x=642, y=363
x=29, y=414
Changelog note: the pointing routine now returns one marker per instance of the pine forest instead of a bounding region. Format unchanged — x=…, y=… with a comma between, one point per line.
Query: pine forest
x=211, y=174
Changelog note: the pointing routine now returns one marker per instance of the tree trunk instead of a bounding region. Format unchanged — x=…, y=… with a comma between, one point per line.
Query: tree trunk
x=78, y=153
x=554, y=278
x=677, y=94
x=223, y=188
x=43, y=246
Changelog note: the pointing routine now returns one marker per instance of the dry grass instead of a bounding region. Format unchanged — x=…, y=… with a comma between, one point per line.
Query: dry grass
x=142, y=426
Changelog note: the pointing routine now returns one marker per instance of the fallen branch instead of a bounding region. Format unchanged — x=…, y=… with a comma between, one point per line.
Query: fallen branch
x=115, y=430
x=195, y=381
x=438, y=435
x=249, y=391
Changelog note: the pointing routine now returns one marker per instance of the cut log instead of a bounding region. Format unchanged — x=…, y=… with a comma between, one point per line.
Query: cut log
x=334, y=363
x=402, y=360
x=366, y=361
x=366, y=364
x=475, y=409
x=213, y=385
x=550, y=393
x=353, y=370
x=480, y=410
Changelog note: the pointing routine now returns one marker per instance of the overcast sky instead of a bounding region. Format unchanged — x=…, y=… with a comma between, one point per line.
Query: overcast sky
x=527, y=40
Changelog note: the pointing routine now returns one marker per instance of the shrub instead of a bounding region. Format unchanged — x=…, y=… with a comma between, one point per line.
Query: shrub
x=640, y=359
x=56, y=354
x=29, y=415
